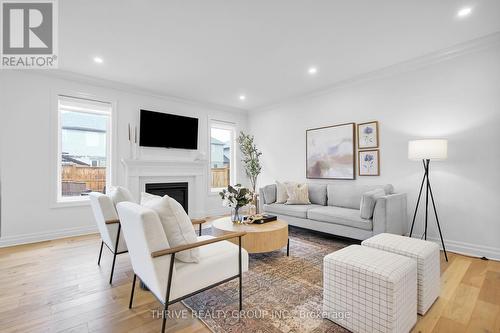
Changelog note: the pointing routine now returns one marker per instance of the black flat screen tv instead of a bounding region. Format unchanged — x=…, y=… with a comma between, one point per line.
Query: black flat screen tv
x=168, y=130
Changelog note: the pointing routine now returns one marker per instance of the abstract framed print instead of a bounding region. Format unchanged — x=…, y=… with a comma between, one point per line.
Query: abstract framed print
x=330, y=152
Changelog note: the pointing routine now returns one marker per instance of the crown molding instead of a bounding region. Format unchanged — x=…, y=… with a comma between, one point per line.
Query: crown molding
x=426, y=60
x=124, y=87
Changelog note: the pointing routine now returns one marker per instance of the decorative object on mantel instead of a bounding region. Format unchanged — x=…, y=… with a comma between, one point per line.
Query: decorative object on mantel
x=132, y=139
x=369, y=162
x=330, y=152
x=425, y=150
x=236, y=197
x=368, y=135
x=251, y=162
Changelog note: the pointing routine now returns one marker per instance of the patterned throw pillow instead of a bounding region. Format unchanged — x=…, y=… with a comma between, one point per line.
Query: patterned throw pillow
x=298, y=194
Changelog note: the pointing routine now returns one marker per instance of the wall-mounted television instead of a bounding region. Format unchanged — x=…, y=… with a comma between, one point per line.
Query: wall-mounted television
x=168, y=130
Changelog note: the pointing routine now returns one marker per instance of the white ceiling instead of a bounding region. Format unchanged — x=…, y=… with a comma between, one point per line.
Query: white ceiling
x=214, y=50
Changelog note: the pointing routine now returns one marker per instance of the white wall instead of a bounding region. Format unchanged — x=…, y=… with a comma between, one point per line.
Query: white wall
x=458, y=99
x=27, y=150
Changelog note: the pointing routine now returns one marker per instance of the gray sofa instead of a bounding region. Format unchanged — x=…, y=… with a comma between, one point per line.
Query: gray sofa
x=335, y=209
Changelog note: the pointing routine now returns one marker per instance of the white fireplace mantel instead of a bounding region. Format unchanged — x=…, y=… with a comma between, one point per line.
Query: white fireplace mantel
x=138, y=173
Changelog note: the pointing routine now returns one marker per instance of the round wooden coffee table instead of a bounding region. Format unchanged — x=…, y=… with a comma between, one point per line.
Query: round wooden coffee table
x=260, y=238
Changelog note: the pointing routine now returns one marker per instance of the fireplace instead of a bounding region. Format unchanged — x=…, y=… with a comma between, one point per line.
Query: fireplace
x=177, y=191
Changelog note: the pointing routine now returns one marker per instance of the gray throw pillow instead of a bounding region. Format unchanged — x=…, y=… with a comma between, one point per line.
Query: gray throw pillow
x=269, y=193
x=368, y=200
x=317, y=193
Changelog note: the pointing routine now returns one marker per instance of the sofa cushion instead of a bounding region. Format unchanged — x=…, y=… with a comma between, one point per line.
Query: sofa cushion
x=349, y=196
x=290, y=210
x=269, y=193
x=339, y=215
x=317, y=193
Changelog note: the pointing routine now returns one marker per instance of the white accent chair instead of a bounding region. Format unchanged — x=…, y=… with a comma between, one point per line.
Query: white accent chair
x=171, y=280
x=109, y=227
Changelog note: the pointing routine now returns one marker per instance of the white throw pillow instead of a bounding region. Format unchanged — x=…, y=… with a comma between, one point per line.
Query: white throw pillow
x=368, y=201
x=298, y=194
x=148, y=197
x=119, y=194
x=176, y=224
x=281, y=193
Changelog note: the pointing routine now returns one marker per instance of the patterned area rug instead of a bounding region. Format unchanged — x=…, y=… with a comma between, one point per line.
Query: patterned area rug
x=280, y=293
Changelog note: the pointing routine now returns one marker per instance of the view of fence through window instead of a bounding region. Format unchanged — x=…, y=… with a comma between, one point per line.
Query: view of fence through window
x=84, y=146
x=220, y=156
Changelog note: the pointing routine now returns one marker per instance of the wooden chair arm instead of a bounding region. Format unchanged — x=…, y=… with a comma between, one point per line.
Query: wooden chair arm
x=197, y=244
x=112, y=221
x=198, y=221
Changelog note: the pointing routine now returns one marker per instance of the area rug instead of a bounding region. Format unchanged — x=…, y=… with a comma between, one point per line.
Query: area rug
x=280, y=293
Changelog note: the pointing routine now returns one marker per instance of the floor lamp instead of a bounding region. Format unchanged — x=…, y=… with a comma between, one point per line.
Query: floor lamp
x=427, y=150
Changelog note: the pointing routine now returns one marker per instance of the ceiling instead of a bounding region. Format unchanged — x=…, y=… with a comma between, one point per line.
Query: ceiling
x=214, y=51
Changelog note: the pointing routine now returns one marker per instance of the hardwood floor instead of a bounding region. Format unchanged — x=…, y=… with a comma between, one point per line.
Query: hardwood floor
x=56, y=286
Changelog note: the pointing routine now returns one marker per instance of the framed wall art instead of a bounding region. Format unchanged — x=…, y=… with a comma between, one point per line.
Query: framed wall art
x=330, y=152
x=368, y=135
x=369, y=162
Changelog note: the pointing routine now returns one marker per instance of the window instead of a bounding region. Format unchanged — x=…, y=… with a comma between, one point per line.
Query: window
x=221, y=155
x=84, y=136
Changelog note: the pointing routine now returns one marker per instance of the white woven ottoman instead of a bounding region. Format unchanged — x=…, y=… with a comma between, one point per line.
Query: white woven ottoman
x=369, y=290
x=426, y=255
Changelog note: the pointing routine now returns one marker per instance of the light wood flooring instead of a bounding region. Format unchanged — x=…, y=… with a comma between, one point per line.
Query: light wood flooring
x=56, y=286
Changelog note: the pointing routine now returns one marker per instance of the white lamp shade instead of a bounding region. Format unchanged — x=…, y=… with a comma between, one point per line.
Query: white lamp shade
x=432, y=149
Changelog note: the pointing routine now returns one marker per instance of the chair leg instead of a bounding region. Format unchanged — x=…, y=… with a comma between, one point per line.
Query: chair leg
x=100, y=254
x=112, y=269
x=164, y=320
x=167, y=296
x=114, y=254
x=200, y=230
x=132, y=292
x=288, y=248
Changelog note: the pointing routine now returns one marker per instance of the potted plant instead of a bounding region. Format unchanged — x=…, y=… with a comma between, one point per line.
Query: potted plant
x=236, y=197
x=251, y=160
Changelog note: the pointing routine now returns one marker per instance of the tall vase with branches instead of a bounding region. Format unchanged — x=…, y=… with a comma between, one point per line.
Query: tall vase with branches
x=251, y=159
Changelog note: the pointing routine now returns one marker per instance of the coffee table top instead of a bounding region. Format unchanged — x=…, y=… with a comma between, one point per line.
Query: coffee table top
x=227, y=225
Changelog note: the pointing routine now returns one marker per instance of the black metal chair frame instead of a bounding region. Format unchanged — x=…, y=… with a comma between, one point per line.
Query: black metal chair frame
x=169, y=302
x=114, y=252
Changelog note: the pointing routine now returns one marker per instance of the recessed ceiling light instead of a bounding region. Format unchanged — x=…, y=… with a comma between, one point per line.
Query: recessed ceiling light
x=243, y=97
x=312, y=70
x=464, y=12
x=98, y=60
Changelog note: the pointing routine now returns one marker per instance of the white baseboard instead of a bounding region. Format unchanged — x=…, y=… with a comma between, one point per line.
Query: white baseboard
x=45, y=236
x=469, y=249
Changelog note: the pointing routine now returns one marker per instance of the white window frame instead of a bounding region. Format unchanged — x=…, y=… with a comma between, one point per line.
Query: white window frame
x=58, y=200
x=232, y=171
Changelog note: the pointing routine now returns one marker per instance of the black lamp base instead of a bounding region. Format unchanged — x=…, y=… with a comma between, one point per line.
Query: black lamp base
x=428, y=191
